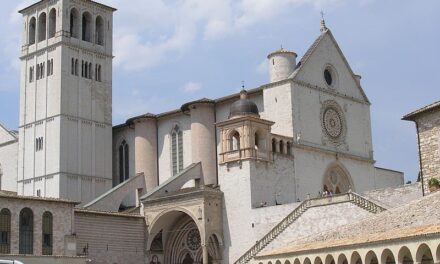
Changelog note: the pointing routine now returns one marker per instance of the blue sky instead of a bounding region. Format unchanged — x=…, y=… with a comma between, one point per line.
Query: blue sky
x=188, y=49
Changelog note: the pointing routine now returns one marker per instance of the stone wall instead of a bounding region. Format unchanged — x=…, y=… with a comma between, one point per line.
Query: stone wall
x=429, y=134
x=8, y=165
x=62, y=214
x=110, y=238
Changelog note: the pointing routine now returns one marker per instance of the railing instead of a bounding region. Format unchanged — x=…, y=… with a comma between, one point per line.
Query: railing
x=298, y=211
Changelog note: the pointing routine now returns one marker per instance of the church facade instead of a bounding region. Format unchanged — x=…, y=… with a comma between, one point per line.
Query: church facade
x=198, y=184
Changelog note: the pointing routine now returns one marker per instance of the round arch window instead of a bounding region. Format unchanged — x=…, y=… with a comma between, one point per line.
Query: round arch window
x=328, y=77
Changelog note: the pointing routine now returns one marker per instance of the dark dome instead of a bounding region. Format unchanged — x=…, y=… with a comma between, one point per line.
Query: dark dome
x=243, y=106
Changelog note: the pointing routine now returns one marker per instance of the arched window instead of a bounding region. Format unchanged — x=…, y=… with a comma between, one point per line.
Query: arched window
x=74, y=23
x=73, y=66
x=26, y=230
x=99, y=31
x=52, y=22
x=123, y=162
x=32, y=27
x=5, y=231
x=86, y=26
x=99, y=73
x=234, y=141
x=274, y=145
x=288, y=148
x=47, y=229
x=82, y=68
x=177, y=150
x=42, y=27
x=281, y=147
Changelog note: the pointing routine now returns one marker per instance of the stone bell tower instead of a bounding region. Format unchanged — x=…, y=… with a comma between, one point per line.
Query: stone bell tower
x=65, y=100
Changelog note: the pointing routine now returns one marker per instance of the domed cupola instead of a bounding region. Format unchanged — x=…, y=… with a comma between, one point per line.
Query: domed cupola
x=243, y=107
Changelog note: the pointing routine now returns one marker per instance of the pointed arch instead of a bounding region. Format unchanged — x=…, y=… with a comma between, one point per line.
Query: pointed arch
x=355, y=258
x=424, y=254
x=52, y=22
x=371, y=258
x=124, y=169
x=342, y=259
x=387, y=257
x=32, y=30
x=177, y=149
x=74, y=23
x=42, y=21
x=337, y=179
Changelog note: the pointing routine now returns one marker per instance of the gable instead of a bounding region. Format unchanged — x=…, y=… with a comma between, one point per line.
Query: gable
x=5, y=135
x=325, y=53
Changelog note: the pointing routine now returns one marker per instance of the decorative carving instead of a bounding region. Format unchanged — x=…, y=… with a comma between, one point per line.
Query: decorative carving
x=333, y=123
x=193, y=239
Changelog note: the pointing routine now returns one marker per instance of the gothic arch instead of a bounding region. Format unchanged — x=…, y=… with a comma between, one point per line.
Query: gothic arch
x=337, y=179
x=176, y=149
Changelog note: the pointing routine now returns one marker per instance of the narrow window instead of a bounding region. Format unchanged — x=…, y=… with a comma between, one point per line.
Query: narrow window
x=274, y=145
x=288, y=148
x=99, y=73
x=177, y=150
x=82, y=68
x=76, y=67
x=234, y=141
x=52, y=22
x=42, y=69
x=47, y=229
x=86, y=69
x=42, y=27
x=99, y=31
x=74, y=23
x=86, y=26
x=32, y=27
x=51, y=66
x=38, y=72
x=26, y=232
x=73, y=66
x=5, y=231
x=90, y=70
x=31, y=74
x=96, y=72
x=124, y=170
x=48, y=68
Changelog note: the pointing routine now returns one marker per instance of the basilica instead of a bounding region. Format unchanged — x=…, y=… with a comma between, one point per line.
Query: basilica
x=283, y=173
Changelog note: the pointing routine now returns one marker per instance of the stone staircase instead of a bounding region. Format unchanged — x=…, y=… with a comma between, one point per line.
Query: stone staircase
x=298, y=211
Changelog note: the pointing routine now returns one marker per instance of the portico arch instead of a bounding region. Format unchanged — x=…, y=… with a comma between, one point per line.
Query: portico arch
x=342, y=259
x=318, y=260
x=329, y=259
x=182, y=237
x=355, y=258
x=404, y=256
x=371, y=258
x=424, y=255
x=387, y=257
x=337, y=179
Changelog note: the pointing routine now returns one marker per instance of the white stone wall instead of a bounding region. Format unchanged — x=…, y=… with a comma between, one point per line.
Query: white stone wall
x=62, y=214
x=165, y=126
x=387, y=178
x=311, y=166
x=71, y=113
x=8, y=160
x=317, y=220
x=110, y=238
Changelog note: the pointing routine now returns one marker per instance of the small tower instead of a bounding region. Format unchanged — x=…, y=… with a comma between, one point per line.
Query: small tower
x=244, y=135
x=282, y=63
x=66, y=100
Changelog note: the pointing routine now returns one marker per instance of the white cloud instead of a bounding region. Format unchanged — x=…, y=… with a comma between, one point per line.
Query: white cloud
x=163, y=29
x=263, y=68
x=191, y=87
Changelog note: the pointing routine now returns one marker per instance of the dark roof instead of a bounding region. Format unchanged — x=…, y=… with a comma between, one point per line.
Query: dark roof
x=413, y=115
x=243, y=107
x=41, y=1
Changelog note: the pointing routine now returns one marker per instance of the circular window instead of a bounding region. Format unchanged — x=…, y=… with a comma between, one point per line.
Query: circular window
x=328, y=77
x=332, y=123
